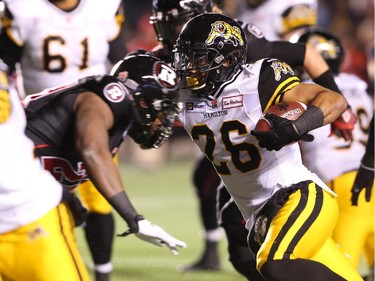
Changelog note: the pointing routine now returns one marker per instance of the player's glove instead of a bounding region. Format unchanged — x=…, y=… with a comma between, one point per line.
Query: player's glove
x=154, y=234
x=344, y=125
x=281, y=134
x=363, y=180
x=76, y=208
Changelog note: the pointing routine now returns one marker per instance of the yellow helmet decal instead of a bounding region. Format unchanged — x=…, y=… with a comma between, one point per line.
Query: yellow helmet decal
x=327, y=48
x=225, y=30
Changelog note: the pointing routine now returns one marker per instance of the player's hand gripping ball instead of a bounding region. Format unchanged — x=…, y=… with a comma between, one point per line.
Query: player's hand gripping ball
x=275, y=129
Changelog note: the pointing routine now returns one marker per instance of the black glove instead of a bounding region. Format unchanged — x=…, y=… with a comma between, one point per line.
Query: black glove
x=363, y=180
x=79, y=212
x=281, y=134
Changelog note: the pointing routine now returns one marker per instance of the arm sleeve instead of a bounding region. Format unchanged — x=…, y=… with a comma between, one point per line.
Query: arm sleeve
x=327, y=80
x=292, y=53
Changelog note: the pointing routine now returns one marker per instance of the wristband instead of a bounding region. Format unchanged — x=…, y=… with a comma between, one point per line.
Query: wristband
x=327, y=80
x=311, y=119
x=120, y=202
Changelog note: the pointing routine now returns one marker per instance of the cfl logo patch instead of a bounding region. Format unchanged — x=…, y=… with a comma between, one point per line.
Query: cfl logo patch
x=114, y=93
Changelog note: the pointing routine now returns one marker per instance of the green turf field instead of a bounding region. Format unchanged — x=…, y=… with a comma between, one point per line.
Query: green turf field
x=165, y=197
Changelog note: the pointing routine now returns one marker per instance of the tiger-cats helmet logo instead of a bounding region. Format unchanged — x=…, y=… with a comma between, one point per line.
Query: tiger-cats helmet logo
x=330, y=46
x=226, y=31
x=281, y=67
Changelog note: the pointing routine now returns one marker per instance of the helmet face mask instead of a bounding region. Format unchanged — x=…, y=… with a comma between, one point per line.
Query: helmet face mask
x=211, y=56
x=169, y=16
x=195, y=64
x=154, y=89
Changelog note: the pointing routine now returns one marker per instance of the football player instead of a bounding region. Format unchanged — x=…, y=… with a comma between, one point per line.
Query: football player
x=168, y=18
x=56, y=42
x=277, y=19
x=289, y=212
x=78, y=127
x=36, y=235
x=335, y=160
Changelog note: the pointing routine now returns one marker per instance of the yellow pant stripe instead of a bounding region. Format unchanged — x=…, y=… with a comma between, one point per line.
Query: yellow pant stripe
x=307, y=208
x=68, y=237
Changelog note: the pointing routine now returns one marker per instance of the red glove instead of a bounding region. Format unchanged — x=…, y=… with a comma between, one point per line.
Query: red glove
x=344, y=125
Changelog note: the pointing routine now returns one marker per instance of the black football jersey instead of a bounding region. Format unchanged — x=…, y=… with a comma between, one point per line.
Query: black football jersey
x=50, y=124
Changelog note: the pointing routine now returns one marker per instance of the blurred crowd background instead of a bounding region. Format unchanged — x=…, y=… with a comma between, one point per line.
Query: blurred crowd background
x=350, y=20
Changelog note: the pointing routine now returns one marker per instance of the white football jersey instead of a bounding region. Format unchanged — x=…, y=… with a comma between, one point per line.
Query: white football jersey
x=330, y=157
x=268, y=16
x=27, y=191
x=221, y=129
x=60, y=46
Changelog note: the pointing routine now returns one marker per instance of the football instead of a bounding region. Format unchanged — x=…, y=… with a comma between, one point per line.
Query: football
x=290, y=111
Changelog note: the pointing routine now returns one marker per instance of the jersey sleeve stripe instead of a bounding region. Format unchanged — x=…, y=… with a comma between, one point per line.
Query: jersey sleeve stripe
x=282, y=88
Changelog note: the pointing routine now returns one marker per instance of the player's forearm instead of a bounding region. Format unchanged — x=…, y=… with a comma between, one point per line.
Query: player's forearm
x=331, y=103
x=313, y=63
x=105, y=176
x=102, y=171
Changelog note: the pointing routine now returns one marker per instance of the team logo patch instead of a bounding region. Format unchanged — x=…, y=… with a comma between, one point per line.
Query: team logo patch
x=279, y=68
x=226, y=31
x=194, y=106
x=232, y=102
x=114, y=93
x=166, y=77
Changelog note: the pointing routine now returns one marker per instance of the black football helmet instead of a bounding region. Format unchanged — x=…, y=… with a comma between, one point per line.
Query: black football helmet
x=210, y=49
x=154, y=88
x=329, y=46
x=168, y=17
